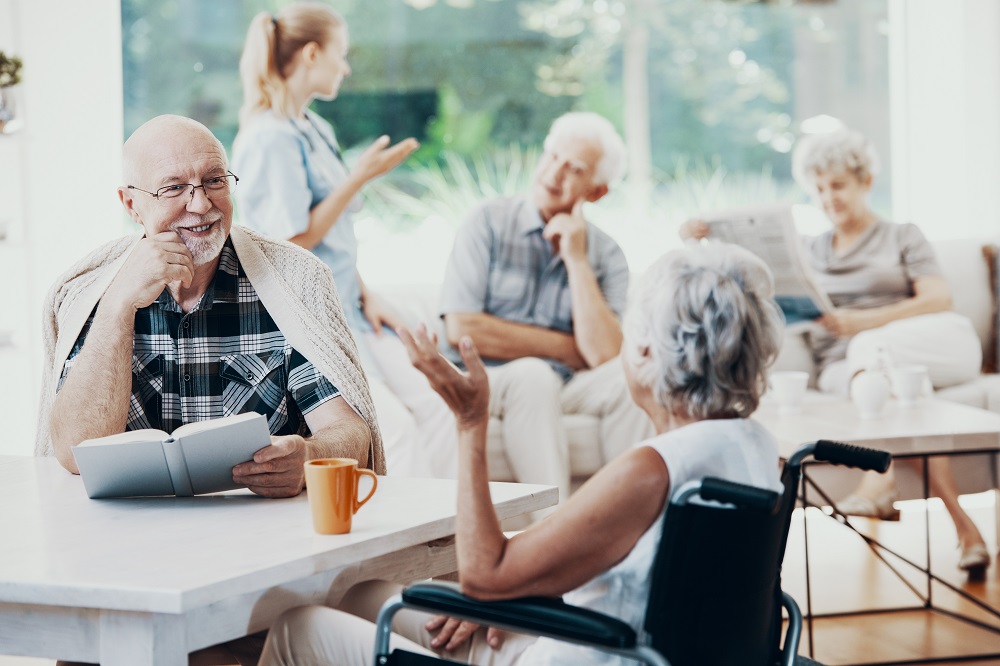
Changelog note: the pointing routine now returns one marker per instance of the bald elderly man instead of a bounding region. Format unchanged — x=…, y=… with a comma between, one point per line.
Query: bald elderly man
x=192, y=319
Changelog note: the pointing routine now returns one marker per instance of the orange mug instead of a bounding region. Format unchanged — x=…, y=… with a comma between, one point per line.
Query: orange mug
x=332, y=487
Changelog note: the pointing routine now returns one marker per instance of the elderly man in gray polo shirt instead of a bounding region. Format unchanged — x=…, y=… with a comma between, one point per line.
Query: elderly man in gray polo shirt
x=541, y=292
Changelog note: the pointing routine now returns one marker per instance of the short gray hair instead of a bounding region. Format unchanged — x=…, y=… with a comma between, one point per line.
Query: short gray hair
x=843, y=150
x=707, y=316
x=593, y=127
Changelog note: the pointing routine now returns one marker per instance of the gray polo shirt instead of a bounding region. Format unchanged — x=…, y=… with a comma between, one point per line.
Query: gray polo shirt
x=878, y=269
x=501, y=265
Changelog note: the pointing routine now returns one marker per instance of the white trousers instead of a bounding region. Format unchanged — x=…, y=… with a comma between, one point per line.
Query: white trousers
x=418, y=428
x=529, y=398
x=945, y=342
x=321, y=636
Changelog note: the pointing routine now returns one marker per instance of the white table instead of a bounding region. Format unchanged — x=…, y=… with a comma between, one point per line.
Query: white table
x=129, y=582
x=929, y=427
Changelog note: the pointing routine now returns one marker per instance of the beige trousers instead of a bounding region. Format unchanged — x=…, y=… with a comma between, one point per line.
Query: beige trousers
x=530, y=399
x=321, y=636
x=418, y=428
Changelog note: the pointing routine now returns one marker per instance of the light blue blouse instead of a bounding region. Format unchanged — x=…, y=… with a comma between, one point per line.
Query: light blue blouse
x=286, y=167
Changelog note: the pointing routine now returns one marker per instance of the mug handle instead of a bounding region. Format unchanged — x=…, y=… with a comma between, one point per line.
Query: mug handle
x=359, y=503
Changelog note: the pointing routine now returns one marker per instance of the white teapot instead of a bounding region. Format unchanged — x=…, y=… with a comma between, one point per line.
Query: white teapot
x=869, y=392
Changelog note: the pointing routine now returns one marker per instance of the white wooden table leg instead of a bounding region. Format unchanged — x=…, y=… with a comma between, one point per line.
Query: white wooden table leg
x=142, y=639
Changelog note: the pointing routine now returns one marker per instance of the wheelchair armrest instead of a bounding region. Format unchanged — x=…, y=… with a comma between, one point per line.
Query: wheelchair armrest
x=541, y=616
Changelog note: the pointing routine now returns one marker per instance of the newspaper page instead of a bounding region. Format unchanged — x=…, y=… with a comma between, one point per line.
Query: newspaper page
x=769, y=232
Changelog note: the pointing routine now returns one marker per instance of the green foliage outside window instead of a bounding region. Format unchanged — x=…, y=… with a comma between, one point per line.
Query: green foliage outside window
x=706, y=92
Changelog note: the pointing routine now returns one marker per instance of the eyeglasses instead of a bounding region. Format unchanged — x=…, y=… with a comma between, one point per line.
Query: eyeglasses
x=219, y=185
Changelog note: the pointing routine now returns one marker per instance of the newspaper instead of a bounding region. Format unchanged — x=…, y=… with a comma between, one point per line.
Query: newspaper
x=769, y=232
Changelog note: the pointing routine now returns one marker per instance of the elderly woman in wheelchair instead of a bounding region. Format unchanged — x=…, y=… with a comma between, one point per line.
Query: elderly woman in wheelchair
x=698, y=340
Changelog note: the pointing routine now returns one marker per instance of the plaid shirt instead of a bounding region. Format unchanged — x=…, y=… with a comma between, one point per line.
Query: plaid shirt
x=225, y=357
x=503, y=266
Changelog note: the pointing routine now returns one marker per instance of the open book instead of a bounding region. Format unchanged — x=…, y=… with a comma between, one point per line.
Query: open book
x=196, y=458
x=769, y=232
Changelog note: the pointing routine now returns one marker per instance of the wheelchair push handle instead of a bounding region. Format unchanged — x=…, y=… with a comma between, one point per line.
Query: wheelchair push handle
x=751, y=497
x=852, y=456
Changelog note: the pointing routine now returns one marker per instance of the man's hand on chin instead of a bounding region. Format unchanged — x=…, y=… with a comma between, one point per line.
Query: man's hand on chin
x=276, y=470
x=568, y=233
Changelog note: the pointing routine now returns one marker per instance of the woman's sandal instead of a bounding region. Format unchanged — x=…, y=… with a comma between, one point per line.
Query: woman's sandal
x=975, y=559
x=881, y=508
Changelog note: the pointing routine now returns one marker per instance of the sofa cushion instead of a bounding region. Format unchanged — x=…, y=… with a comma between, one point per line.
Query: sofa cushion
x=582, y=434
x=968, y=276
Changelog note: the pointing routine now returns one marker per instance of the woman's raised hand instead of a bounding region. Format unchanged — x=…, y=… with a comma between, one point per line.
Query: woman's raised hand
x=380, y=158
x=466, y=393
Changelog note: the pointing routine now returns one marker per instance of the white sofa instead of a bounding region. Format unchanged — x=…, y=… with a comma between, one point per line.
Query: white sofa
x=964, y=267
x=417, y=303
x=967, y=272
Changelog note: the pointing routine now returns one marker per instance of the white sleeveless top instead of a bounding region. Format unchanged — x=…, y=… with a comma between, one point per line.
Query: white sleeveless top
x=738, y=450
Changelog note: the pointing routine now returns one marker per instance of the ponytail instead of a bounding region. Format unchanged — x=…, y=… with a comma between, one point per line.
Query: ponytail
x=271, y=45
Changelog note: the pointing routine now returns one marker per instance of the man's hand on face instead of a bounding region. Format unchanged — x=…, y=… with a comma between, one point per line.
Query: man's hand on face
x=156, y=262
x=276, y=470
x=568, y=233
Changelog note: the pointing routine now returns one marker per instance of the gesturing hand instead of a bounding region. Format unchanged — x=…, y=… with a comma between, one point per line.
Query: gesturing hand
x=693, y=230
x=466, y=393
x=568, y=233
x=277, y=470
x=156, y=262
x=380, y=158
x=452, y=633
x=378, y=313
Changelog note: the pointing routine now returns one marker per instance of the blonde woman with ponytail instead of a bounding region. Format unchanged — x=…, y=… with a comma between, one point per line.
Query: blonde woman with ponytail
x=295, y=185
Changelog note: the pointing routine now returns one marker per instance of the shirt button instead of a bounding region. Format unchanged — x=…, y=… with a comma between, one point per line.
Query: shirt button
x=186, y=324
x=250, y=376
x=187, y=377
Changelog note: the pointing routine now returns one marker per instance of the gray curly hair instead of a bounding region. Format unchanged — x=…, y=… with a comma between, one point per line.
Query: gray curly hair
x=842, y=150
x=707, y=316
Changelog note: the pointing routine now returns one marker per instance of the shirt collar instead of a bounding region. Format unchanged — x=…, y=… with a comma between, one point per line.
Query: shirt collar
x=224, y=287
x=529, y=220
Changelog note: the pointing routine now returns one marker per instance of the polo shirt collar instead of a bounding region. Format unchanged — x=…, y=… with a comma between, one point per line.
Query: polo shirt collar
x=529, y=220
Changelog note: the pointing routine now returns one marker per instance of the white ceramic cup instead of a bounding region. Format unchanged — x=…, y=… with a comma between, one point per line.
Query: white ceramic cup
x=869, y=392
x=787, y=387
x=908, y=382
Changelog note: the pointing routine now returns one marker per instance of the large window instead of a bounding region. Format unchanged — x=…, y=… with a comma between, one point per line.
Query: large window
x=710, y=95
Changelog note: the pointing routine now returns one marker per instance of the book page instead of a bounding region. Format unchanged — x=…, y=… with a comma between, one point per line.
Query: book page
x=146, y=435
x=210, y=453
x=201, y=426
x=769, y=232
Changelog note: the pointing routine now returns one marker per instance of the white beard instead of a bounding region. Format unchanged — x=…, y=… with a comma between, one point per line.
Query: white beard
x=206, y=250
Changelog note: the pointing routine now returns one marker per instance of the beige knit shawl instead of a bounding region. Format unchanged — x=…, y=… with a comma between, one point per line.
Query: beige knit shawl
x=295, y=287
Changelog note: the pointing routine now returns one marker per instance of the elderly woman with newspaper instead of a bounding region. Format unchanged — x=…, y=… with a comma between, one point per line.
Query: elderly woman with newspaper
x=891, y=305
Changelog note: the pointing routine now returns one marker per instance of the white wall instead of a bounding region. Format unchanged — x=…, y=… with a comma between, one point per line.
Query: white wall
x=66, y=160
x=945, y=115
